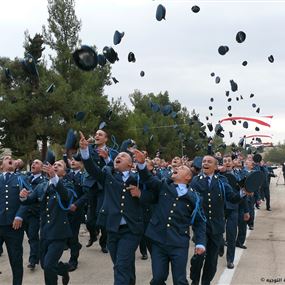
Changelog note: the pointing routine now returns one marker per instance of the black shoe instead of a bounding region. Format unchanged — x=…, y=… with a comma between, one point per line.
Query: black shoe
x=268, y=209
x=221, y=250
x=241, y=246
x=104, y=249
x=31, y=266
x=65, y=278
x=251, y=228
x=230, y=265
x=71, y=267
x=144, y=257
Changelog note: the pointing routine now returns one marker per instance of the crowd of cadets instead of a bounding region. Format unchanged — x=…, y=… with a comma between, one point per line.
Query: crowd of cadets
x=149, y=204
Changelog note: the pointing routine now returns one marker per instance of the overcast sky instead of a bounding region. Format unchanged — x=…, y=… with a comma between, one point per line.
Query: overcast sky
x=179, y=54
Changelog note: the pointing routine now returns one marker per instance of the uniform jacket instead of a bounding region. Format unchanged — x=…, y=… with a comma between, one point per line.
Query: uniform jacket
x=214, y=199
x=54, y=221
x=10, y=205
x=34, y=209
x=118, y=201
x=171, y=218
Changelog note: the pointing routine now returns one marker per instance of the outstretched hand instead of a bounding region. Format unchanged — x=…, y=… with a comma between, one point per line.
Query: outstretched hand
x=139, y=156
x=83, y=143
x=48, y=169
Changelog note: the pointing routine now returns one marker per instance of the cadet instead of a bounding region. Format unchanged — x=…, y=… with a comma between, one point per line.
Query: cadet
x=32, y=219
x=121, y=213
x=231, y=211
x=55, y=197
x=76, y=211
x=172, y=215
x=95, y=191
x=11, y=217
x=214, y=191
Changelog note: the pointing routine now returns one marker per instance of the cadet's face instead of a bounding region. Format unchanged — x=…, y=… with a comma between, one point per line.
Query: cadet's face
x=37, y=166
x=237, y=163
x=176, y=161
x=149, y=165
x=156, y=161
x=209, y=165
x=74, y=164
x=100, y=138
x=8, y=164
x=59, y=168
x=123, y=162
x=249, y=164
x=181, y=174
x=228, y=163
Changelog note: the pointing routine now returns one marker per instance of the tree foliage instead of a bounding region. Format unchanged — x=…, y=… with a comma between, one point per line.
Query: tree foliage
x=276, y=154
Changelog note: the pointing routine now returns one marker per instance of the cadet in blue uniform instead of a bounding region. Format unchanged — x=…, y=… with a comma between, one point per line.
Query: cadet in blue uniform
x=76, y=211
x=55, y=196
x=11, y=217
x=214, y=191
x=231, y=212
x=121, y=213
x=95, y=190
x=32, y=219
x=169, y=225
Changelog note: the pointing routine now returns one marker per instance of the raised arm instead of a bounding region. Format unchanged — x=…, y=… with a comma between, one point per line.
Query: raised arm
x=92, y=168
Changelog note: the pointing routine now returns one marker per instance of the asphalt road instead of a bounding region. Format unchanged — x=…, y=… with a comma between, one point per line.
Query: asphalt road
x=263, y=262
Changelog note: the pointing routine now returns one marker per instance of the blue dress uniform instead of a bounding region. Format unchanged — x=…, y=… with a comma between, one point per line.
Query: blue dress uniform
x=32, y=222
x=75, y=218
x=246, y=207
x=10, y=208
x=122, y=216
x=232, y=218
x=214, y=193
x=96, y=196
x=169, y=225
x=54, y=226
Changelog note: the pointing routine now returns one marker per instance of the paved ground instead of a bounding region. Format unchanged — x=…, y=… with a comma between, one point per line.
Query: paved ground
x=263, y=262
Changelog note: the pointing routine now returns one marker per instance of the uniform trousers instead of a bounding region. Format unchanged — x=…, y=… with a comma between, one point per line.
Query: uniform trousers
x=50, y=253
x=209, y=260
x=122, y=246
x=32, y=227
x=161, y=256
x=14, y=244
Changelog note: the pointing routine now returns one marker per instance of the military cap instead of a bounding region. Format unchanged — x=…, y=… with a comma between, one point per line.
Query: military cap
x=131, y=57
x=240, y=37
x=70, y=141
x=110, y=54
x=160, y=12
x=85, y=58
x=117, y=37
x=101, y=60
x=50, y=157
x=195, y=9
x=29, y=65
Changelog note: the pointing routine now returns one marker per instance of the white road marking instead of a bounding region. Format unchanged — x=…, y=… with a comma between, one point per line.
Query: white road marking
x=227, y=275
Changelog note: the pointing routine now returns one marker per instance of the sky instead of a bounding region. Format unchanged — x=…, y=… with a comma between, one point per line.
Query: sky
x=179, y=54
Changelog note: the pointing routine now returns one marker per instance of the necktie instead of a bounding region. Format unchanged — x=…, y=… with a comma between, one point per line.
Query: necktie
x=31, y=178
x=208, y=180
x=7, y=176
